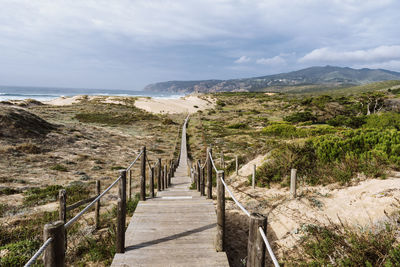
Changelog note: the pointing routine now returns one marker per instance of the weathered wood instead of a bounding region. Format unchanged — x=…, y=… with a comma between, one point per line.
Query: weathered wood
x=162, y=180
x=177, y=228
x=143, y=175
x=293, y=181
x=256, y=245
x=54, y=255
x=62, y=212
x=80, y=203
x=152, y=182
x=169, y=174
x=202, y=182
x=165, y=176
x=97, y=207
x=121, y=214
x=62, y=215
x=220, y=238
x=159, y=175
x=130, y=185
x=198, y=186
x=253, y=180
x=237, y=165
x=209, y=173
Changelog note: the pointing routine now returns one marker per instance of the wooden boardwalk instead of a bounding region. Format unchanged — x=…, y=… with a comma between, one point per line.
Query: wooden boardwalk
x=177, y=228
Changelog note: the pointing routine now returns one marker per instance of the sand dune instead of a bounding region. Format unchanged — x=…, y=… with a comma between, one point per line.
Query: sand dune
x=187, y=104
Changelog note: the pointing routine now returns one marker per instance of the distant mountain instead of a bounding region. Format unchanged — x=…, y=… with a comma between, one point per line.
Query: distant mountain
x=326, y=76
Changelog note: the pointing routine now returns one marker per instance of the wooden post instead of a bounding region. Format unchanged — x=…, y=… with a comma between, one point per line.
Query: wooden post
x=169, y=174
x=219, y=243
x=202, y=182
x=253, y=181
x=130, y=185
x=143, y=175
x=237, y=165
x=121, y=214
x=256, y=245
x=165, y=176
x=198, y=175
x=152, y=182
x=162, y=180
x=54, y=255
x=97, y=207
x=293, y=179
x=209, y=173
x=159, y=175
x=62, y=212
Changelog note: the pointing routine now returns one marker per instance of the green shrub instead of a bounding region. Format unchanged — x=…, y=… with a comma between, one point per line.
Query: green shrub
x=59, y=167
x=347, y=121
x=37, y=196
x=220, y=103
x=285, y=130
x=19, y=253
x=361, y=143
x=339, y=245
x=280, y=130
x=387, y=120
x=300, y=117
x=282, y=160
x=239, y=125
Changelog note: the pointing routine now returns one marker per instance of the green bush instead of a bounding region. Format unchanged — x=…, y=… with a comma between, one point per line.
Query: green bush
x=387, y=120
x=283, y=159
x=238, y=125
x=18, y=253
x=361, y=143
x=300, y=117
x=285, y=130
x=338, y=245
x=347, y=121
x=59, y=167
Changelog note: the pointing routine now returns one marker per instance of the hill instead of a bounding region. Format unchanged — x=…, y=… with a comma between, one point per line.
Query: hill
x=324, y=77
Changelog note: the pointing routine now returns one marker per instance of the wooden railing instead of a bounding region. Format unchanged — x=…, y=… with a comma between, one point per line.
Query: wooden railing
x=55, y=233
x=257, y=240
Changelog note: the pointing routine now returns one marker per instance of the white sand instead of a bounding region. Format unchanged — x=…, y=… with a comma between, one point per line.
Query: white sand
x=362, y=205
x=187, y=104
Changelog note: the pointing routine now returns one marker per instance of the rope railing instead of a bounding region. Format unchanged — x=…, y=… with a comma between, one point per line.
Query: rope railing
x=260, y=229
x=271, y=253
x=133, y=163
x=212, y=162
x=76, y=217
x=39, y=252
x=234, y=199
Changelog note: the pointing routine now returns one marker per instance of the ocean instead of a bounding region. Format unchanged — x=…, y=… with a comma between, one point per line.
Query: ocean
x=48, y=93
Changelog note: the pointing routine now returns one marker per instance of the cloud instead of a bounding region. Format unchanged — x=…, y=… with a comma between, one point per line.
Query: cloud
x=277, y=60
x=242, y=59
x=156, y=40
x=373, y=55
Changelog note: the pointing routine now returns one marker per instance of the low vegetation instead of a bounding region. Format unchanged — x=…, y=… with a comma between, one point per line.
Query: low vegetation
x=330, y=137
x=47, y=148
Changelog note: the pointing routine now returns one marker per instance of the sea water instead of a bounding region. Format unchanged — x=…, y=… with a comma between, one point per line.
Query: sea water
x=49, y=93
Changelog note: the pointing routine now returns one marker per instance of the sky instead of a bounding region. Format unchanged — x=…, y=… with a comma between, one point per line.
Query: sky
x=127, y=44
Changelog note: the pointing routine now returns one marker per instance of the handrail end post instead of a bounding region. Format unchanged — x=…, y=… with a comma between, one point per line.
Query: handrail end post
x=54, y=255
